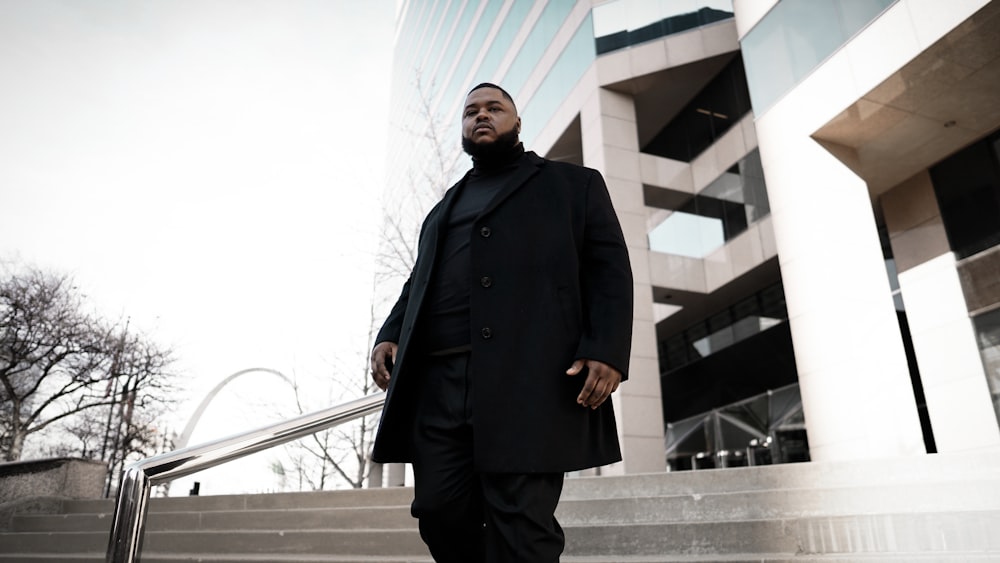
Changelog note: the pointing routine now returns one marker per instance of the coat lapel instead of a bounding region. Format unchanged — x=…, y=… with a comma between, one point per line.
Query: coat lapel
x=528, y=168
x=431, y=239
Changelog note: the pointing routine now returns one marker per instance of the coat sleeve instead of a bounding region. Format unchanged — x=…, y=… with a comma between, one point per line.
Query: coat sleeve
x=393, y=325
x=392, y=328
x=606, y=283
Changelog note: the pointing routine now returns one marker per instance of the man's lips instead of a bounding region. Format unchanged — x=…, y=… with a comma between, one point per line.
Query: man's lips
x=483, y=126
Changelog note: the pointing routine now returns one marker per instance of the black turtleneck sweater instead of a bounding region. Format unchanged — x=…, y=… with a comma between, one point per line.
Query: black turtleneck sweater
x=445, y=324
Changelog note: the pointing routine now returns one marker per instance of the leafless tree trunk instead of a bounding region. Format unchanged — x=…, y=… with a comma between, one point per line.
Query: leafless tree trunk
x=62, y=369
x=435, y=162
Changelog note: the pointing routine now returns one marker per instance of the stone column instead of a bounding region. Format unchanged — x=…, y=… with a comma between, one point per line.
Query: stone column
x=397, y=475
x=375, y=475
x=951, y=370
x=856, y=392
x=610, y=144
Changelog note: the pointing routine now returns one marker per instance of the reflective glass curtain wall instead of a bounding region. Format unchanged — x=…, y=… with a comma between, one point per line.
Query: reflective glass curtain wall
x=795, y=37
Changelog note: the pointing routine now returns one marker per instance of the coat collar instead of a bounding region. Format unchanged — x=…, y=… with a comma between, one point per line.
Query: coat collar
x=527, y=167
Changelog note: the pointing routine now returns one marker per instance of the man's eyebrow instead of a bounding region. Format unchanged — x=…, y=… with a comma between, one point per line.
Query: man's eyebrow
x=490, y=102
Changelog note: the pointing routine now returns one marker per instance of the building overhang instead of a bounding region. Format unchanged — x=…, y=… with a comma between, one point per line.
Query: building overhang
x=941, y=101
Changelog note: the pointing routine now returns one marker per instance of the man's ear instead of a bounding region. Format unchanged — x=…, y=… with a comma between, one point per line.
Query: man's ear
x=518, y=128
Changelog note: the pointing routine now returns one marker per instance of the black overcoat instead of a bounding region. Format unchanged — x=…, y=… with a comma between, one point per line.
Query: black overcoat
x=550, y=283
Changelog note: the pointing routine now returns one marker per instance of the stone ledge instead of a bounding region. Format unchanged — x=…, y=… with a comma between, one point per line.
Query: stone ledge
x=41, y=485
x=61, y=477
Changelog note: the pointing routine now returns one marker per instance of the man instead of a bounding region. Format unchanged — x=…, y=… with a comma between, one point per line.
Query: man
x=504, y=346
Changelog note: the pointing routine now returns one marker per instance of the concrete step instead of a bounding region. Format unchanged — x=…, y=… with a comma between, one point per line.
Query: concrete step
x=929, y=469
x=311, y=542
x=395, y=496
x=926, y=469
x=784, y=504
x=344, y=518
x=933, y=508
x=878, y=533
x=761, y=558
x=755, y=505
x=872, y=534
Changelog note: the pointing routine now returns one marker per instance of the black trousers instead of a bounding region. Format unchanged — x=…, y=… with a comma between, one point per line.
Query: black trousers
x=468, y=516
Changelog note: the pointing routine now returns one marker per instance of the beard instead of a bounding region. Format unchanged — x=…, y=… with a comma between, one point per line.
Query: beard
x=500, y=147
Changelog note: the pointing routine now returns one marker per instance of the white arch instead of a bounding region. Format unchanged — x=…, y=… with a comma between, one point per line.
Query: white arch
x=186, y=434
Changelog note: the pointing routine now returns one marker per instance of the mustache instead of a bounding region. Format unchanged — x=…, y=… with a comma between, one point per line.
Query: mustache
x=503, y=143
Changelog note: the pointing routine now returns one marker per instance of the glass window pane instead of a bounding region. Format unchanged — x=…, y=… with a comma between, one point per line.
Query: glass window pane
x=456, y=38
x=696, y=337
x=855, y=14
x=572, y=63
x=472, y=49
x=809, y=33
x=535, y=45
x=754, y=188
x=687, y=234
x=486, y=72
x=988, y=334
x=794, y=37
x=768, y=62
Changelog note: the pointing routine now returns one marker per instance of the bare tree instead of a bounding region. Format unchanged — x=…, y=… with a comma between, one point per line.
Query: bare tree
x=49, y=356
x=61, y=368
x=145, y=393
x=434, y=164
x=339, y=455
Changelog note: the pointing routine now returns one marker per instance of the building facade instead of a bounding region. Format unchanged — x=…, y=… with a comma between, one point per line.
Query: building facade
x=810, y=193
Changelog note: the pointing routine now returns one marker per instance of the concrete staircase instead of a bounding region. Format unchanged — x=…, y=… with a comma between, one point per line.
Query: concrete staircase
x=932, y=508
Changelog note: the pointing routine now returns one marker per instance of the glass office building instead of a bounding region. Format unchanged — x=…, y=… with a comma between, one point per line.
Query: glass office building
x=810, y=192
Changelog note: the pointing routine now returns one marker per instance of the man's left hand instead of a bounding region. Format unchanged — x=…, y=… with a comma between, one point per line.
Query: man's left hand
x=602, y=381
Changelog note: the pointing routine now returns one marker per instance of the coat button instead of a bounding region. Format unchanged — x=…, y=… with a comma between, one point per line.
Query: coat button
x=485, y=281
x=487, y=333
x=485, y=232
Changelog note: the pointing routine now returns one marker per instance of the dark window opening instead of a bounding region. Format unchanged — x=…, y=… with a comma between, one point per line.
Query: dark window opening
x=904, y=329
x=744, y=319
x=967, y=186
x=712, y=112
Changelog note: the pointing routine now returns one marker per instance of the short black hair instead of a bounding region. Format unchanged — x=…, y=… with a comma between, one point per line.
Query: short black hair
x=492, y=85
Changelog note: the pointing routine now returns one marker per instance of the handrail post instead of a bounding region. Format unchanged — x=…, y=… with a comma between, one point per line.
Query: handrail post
x=129, y=522
x=129, y=525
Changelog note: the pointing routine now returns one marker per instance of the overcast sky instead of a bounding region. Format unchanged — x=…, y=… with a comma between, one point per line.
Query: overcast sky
x=209, y=168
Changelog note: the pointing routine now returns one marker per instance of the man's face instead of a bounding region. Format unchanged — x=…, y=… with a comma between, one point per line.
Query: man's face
x=487, y=116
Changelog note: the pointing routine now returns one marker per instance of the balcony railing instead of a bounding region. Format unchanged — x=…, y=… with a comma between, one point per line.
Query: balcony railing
x=129, y=522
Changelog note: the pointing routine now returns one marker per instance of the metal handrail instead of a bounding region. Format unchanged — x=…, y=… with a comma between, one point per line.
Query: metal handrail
x=129, y=523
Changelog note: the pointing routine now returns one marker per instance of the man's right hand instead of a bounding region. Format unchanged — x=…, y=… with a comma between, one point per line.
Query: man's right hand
x=383, y=357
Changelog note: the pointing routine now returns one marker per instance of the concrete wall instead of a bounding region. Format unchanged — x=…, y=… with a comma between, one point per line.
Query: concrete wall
x=42, y=485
